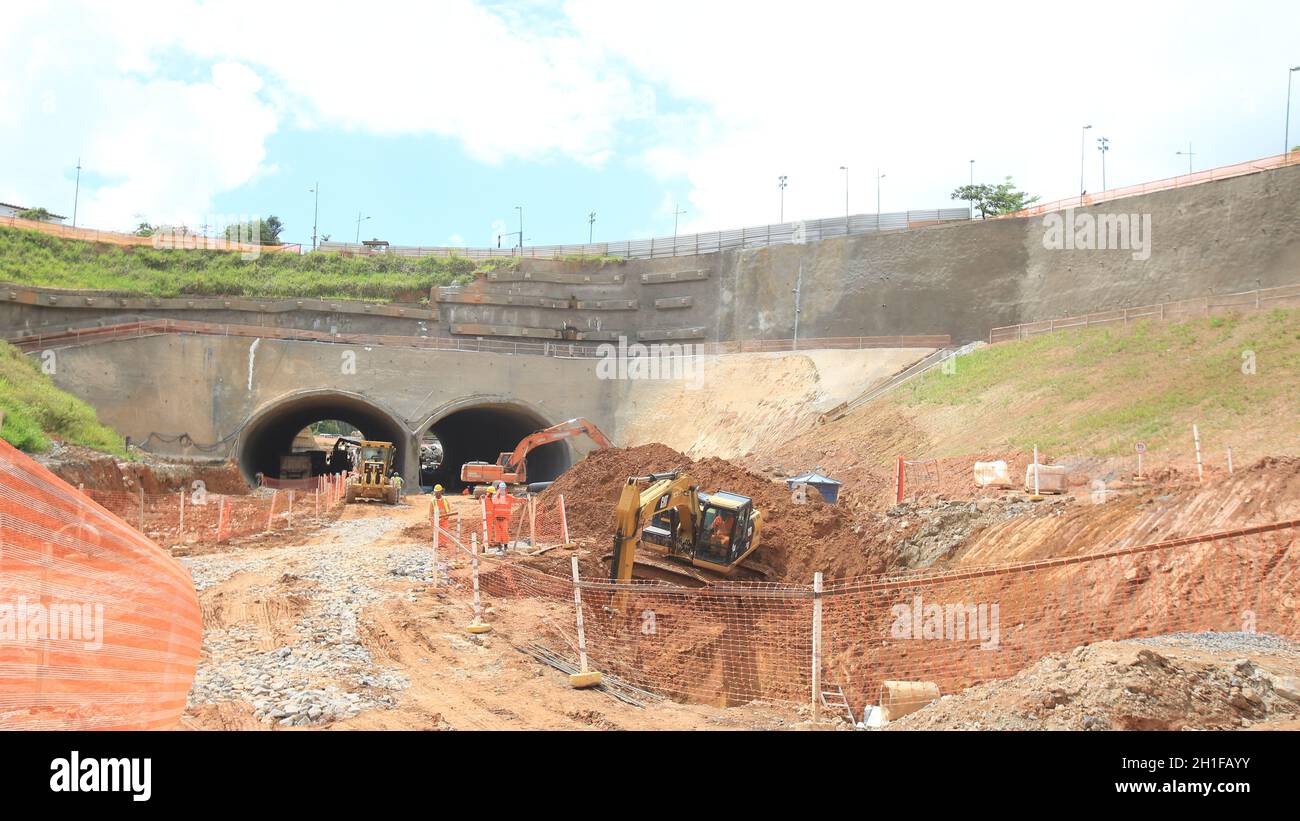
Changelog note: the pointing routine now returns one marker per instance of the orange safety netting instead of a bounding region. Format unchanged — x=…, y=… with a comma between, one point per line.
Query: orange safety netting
x=196, y=515
x=99, y=628
x=730, y=643
x=529, y=523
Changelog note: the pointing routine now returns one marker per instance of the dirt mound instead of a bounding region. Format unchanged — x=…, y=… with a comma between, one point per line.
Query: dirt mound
x=799, y=538
x=94, y=470
x=1196, y=681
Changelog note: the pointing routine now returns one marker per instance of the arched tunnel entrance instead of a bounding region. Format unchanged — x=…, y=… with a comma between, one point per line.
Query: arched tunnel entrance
x=482, y=433
x=270, y=434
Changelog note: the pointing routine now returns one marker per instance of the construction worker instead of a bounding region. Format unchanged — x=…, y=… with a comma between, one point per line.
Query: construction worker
x=498, y=514
x=720, y=532
x=397, y=483
x=441, y=503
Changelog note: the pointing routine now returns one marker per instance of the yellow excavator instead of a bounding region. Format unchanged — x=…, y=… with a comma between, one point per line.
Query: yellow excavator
x=703, y=535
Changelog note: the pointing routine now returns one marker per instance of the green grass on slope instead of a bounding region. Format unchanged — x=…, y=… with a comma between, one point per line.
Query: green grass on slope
x=36, y=410
x=1105, y=388
x=33, y=258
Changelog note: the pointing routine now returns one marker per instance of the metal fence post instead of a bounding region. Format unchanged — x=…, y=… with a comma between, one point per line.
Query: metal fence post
x=817, y=646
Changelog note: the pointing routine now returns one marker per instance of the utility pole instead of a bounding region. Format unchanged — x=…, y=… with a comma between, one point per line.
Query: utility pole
x=676, y=214
x=520, y=209
x=1286, y=135
x=1189, y=154
x=780, y=181
x=845, y=169
x=591, y=226
x=315, y=214
x=360, y=219
x=1103, y=145
x=77, y=192
x=798, y=287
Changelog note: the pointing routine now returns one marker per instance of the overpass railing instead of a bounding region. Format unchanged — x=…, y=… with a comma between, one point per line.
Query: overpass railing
x=1181, y=181
x=1258, y=299
x=759, y=236
x=68, y=336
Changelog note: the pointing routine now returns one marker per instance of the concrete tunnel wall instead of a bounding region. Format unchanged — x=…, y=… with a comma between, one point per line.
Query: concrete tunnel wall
x=233, y=396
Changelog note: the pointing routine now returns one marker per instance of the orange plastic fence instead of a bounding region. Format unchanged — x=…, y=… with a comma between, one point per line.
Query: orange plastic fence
x=99, y=628
x=185, y=241
x=532, y=524
x=195, y=515
x=732, y=643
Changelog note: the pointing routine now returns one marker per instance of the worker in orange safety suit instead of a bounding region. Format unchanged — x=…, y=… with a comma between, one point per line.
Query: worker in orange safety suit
x=498, y=507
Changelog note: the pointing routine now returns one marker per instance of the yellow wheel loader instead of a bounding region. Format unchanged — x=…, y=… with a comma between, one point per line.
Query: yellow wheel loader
x=370, y=476
x=704, y=536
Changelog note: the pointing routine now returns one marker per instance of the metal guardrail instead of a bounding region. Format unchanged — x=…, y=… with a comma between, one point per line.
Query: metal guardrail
x=1181, y=181
x=760, y=236
x=69, y=335
x=1200, y=306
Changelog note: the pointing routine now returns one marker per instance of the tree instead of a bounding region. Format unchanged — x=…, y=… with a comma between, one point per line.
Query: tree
x=995, y=200
x=37, y=214
x=260, y=232
x=144, y=229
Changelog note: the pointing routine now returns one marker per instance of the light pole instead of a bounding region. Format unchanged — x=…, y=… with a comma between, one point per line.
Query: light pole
x=360, y=219
x=77, y=191
x=845, y=169
x=591, y=226
x=676, y=214
x=520, y=209
x=879, y=177
x=1286, y=138
x=1103, y=145
x=1189, y=154
x=781, y=183
x=1083, y=139
x=972, y=185
x=315, y=214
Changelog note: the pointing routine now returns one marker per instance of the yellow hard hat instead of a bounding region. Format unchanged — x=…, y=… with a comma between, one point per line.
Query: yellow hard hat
x=437, y=488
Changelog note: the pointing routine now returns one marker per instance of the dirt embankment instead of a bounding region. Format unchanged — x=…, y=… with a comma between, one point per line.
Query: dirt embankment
x=798, y=538
x=1190, y=681
x=98, y=471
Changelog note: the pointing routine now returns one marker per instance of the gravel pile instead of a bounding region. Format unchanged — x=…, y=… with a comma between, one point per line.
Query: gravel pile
x=327, y=674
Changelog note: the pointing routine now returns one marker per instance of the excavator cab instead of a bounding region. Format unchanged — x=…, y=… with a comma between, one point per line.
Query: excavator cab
x=727, y=528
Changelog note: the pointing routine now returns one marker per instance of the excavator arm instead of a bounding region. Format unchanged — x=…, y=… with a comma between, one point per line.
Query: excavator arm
x=665, y=491
x=514, y=462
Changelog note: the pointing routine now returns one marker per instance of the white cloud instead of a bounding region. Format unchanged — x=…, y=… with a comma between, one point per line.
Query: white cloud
x=171, y=103
x=919, y=90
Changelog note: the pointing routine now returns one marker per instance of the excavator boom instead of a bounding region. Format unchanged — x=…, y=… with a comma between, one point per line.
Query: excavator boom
x=511, y=467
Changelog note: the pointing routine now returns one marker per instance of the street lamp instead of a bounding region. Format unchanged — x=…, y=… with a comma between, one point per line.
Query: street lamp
x=1189, y=154
x=1286, y=139
x=77, y=191
x=1083, y=137
x=591, y=225
x=845, y=169
x=315, y=214
x=1103, y=145
x=879, y=177
x=780, y=181
x=972, y=185
x=676, y=214
x=520, y=209
x=360, y=219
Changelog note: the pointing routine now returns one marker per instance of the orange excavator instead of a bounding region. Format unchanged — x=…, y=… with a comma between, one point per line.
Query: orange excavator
x=511, y=467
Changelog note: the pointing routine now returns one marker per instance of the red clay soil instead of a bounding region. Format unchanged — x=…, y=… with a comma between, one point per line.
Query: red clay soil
x=797, y=538
x=100, y=471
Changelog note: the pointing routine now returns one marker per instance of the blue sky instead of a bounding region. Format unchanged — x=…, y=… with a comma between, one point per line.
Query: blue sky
x=437, y=119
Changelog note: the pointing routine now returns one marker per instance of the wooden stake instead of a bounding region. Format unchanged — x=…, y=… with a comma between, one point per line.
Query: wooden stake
x=1196, y=437
x=564, y=522
x=817, y=646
